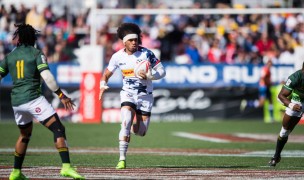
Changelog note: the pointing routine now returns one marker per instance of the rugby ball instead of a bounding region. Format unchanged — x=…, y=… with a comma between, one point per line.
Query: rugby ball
x=143, y=65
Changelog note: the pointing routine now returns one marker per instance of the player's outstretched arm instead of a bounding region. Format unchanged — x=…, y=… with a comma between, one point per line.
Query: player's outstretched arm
x=51, y=83
x=66, y=101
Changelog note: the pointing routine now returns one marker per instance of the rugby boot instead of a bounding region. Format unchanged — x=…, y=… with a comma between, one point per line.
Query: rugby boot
x=69, y=171
x=274, y=161
x=121, y=165
x=16, y=174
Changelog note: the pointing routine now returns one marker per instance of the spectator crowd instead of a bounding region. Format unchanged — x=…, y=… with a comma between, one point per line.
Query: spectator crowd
x=182, y=39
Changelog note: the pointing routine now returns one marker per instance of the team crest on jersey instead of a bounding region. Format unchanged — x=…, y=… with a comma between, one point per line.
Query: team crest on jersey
x=38, y=110
x=43, y=58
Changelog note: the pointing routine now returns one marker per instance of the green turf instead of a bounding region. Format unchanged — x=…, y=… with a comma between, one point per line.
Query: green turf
x=159, y=136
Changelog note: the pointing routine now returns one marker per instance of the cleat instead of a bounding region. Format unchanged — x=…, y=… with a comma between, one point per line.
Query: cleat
x=274, y=161
x=243, y=105
x=70, y=172
x=121, y=165
x=16, y=174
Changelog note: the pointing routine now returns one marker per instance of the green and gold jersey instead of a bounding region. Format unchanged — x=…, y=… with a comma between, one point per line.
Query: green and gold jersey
x=24, y=64
x=295, y=83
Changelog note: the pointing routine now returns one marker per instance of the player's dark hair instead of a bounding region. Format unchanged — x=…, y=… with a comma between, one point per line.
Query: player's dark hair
x=26, y=33
x=129, y=28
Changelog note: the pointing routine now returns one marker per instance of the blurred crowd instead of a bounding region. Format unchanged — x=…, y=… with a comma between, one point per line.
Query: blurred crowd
x=182, y=39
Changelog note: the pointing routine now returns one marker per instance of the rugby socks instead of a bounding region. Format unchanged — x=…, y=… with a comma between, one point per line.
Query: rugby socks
x=123, y=147
x=280, y=145
x=64, y=154
x=19, y=158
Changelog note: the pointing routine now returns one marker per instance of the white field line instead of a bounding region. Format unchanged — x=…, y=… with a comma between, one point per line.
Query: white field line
x=266, y=153
x=270, y=137
x=200, y=137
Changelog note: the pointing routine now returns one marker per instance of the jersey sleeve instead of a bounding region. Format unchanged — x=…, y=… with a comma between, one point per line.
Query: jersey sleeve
x=152, y=58
x=291, y=82
x=41, y=62
x=112, y=66
x=3, y=67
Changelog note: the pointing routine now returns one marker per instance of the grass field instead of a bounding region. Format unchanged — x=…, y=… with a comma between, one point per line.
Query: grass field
x=199, y=149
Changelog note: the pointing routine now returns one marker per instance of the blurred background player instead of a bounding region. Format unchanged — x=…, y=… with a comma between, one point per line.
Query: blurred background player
x=264, y=91
x=136, y=94
x=294, y=111
x=26, y=64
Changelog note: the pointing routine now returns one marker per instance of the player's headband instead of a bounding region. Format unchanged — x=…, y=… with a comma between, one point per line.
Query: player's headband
x=129, y=36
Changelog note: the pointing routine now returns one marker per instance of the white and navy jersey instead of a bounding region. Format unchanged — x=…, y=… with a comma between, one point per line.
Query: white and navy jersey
x=126, y=64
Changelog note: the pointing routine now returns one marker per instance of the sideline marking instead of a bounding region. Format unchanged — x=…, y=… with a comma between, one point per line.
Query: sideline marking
x=237, y=137
x=200, y=137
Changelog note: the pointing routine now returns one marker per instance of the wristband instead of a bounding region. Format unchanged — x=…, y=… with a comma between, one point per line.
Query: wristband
x=60, y=94
x=103, y=85
x=291, y=105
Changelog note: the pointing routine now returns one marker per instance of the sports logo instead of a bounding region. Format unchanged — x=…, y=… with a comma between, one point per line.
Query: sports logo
x=38, y=110
x=43, y=58
x=288, y=82
x=127, y=72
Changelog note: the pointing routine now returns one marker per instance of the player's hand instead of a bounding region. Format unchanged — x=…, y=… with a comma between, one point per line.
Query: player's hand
x=142, y=74
x=103, y=86
x=67, y=103
x=102, y=90
x=295, y=107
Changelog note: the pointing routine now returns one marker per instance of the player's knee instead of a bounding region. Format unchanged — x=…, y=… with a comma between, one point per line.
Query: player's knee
x=284, y=133
x=56, y=127
x=26, y=132
x=25, y=138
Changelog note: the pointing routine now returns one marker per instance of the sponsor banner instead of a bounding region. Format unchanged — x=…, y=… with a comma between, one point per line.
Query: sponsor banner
x=186, y=105
x=218, y=75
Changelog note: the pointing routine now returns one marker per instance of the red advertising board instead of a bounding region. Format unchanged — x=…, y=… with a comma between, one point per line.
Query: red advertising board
x=90, y=105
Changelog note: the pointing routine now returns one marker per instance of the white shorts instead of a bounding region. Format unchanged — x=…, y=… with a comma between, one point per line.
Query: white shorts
x=142, y=102
x=39, y=109
x=290, y=112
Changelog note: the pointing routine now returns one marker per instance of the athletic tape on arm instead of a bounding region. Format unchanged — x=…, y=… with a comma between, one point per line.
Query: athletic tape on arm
x=49, y=80
x=160, y=72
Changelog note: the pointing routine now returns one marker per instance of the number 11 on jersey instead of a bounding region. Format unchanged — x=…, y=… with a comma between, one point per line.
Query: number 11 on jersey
x=20, y=69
